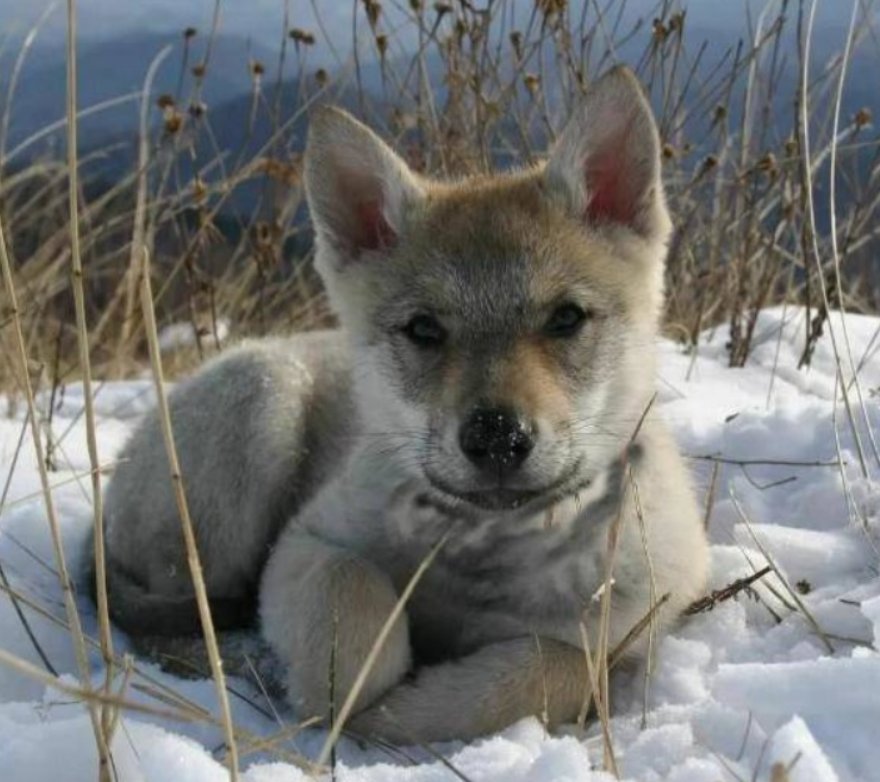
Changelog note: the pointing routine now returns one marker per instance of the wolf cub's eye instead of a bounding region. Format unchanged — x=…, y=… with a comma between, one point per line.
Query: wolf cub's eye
x=566, y=320
x=425, y=331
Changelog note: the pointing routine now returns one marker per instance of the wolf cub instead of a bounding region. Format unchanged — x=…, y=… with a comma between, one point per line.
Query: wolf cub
x=490, y=386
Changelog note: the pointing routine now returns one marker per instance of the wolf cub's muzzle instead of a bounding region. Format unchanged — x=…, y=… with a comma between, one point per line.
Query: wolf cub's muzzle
x=496, y=440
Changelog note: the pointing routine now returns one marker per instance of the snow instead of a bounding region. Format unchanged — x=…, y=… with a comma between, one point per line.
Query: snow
x=185, y=334
x=748, y=690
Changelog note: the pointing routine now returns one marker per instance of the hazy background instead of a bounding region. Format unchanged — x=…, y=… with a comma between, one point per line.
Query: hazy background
x=118, y=40
x=260, y=20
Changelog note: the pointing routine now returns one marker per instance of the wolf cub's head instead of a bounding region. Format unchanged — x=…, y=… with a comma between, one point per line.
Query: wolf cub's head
x=502, y=326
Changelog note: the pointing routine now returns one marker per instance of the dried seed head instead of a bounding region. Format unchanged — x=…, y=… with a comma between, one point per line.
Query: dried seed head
x=374, y=11
x=199, y=70
x=442, y=9
x=197, y=109
x=257, y=69
x=863, y=117
x=532, y=82
x=382, y=44
x=288, y=172
x=660, y=31
x=550, y=7
x=516, y=42
x=767, y=163
x=669, y=152
x=301, y=36
x=200, y=191
x=262, y=233
x=321, y=77
x=265, y=237
x=165, y=101
x=173, y=121
x=676, y=22
x=189, y=33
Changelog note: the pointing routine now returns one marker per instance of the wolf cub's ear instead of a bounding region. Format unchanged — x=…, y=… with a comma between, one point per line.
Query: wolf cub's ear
x=358, y=190
x=606, y=162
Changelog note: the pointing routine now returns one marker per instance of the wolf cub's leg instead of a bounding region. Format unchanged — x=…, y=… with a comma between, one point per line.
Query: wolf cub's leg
x=482, y=693
x=321, y=608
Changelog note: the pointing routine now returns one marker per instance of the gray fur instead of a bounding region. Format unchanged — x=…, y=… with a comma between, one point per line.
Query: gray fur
x=240, y=489
x=323, y=468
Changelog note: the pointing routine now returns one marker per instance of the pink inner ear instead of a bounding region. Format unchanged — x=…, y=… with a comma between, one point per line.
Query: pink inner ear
x=374, y=232
x=611, y=195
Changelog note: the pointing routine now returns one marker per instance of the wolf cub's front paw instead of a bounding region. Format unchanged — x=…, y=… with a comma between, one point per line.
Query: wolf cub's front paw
x=481, y=693
x=321, y=609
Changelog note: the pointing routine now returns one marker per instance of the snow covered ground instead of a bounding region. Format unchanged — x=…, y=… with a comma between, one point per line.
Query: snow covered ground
x=736, y=690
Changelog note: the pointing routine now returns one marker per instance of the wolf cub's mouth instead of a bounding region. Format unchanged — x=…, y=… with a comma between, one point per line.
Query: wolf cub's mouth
x=509, y=497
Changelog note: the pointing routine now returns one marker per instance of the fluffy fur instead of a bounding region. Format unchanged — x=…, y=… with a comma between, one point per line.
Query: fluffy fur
x=321, y=469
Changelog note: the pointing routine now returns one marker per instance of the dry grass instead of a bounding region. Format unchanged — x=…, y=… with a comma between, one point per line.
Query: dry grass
x=484, y=84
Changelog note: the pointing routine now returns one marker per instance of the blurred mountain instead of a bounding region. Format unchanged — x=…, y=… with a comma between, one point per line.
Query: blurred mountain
x=115, y=68
x=261, y=21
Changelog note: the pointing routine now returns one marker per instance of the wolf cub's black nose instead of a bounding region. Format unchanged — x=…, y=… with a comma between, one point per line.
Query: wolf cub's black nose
x=496, y=439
